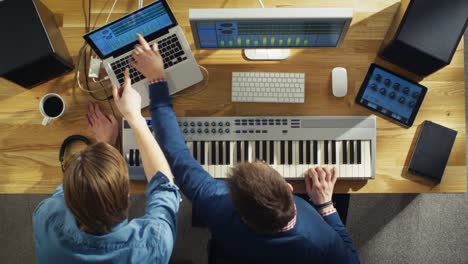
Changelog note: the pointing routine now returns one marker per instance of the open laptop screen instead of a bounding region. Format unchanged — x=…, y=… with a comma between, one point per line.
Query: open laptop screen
x=121, y=34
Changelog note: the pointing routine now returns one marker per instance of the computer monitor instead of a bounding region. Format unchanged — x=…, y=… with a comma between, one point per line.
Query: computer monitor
x=269, y=33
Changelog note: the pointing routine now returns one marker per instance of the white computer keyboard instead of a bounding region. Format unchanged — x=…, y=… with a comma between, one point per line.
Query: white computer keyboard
x=268, y=87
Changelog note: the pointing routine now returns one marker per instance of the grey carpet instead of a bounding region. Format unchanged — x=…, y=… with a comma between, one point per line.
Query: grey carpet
x=425, y=228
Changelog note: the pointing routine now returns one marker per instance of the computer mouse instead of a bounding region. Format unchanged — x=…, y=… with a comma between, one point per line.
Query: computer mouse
x=339, y=81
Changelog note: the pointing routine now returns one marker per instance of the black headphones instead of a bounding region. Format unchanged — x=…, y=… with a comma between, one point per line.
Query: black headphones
x=67, y=142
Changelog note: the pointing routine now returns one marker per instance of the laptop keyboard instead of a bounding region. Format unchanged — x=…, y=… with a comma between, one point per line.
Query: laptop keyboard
x=171, y=52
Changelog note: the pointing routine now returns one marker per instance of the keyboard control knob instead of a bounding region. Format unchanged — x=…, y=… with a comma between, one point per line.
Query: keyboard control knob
x=396, y=86
x=180, y=123
x=213, y=130
x=228, y=123
x=220, y=130
x=207, y=131
x=373, y=87
x=227, y=131
x=185, y=131
x=387, y=82
x=192, y=123
x=401, y=100
x=213, y=123
x=192, y=130
x=406, y=90
x=185, y=124
x=383, y=91
x=220, y=124
x=199, y=123
x=207, y=123
x=199, y=131
x=392, y=95
x=378, y=77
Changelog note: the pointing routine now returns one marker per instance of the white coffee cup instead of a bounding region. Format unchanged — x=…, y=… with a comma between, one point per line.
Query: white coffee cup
x=52, y=106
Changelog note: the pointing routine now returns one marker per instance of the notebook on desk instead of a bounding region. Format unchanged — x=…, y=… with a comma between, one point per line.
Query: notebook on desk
x=432, y=151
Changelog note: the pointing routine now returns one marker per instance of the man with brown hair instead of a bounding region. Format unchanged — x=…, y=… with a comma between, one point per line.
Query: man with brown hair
x=254, y=215
x=85, y=220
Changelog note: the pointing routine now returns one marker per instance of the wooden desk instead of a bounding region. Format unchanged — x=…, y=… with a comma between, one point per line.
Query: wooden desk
x=29, y=151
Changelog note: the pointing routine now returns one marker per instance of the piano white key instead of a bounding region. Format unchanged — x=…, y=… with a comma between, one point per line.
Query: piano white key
x=367, y=159
x=211, y=166
x=355, y=165
x=286, y=160
x=251, y=151
x=349, y=167
x=320, y=154
x=232, y=153
x=205, y=166
x=339, y=159
x=242, y=151
x=217, y=166
x=278, y=167
x=361, y=166
x=222, y=166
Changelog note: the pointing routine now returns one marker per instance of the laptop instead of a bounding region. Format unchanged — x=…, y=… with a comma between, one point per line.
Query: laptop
x=114, y=44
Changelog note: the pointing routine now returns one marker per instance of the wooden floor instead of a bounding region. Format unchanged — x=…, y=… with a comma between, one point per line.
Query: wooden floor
x=29, y=152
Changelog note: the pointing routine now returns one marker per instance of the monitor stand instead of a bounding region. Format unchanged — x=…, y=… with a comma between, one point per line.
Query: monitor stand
x=266, y=54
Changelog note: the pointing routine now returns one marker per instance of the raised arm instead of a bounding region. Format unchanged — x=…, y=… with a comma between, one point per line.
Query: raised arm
x=128, y=102
x=319, y=185
x=194, y=181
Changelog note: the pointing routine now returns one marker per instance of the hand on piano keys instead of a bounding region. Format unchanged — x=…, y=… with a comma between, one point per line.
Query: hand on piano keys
x=351, y=158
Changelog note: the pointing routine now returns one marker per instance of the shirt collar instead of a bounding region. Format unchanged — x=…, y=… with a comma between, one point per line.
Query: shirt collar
x=120, y=225
x=291, y=223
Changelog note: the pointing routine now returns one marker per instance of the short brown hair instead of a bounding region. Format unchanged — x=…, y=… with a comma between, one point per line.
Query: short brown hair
x=96, y=186
x=261, y=196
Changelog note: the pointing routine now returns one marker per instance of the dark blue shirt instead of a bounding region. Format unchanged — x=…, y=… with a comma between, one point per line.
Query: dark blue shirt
x=148, y=239
x=314, y=239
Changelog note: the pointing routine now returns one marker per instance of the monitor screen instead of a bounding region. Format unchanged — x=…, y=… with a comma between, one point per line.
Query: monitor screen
x=269, y=34
x=123, y=32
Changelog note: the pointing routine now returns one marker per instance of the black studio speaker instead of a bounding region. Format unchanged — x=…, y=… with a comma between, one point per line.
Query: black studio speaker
x=32, y=49
x=424, y=38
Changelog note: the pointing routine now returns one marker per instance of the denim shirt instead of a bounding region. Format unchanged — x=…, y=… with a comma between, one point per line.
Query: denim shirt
x=148, y=239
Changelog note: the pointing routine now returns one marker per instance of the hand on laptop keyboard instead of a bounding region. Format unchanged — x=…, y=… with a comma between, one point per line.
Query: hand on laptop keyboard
x=147, y=60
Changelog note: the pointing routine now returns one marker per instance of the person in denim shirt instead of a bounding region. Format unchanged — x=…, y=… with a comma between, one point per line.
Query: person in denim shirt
x=85, y=220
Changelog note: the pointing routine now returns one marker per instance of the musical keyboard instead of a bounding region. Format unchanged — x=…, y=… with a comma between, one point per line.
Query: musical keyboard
x=291, y=145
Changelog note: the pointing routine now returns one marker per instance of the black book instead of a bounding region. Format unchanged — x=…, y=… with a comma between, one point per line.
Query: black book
x=432, y=150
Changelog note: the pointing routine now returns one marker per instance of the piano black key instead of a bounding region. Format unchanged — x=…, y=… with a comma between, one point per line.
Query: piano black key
x=325, y=147
x=307, y=151
x=202, y=152
x=137, y=157
x=282, y=152
x=246, y=151
x=345, y=152
x=195, y=150
x=228, y=153
x=290, y=152
x=220, y=153
x=333, y=152
x=358, y=152
x=315, y=152
x=131, y=158
x=239, y=151
x=272, y=151
x=351, y=151
x=257, y=150
x=301, y=152
x=213, y=153
x=264, y=151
